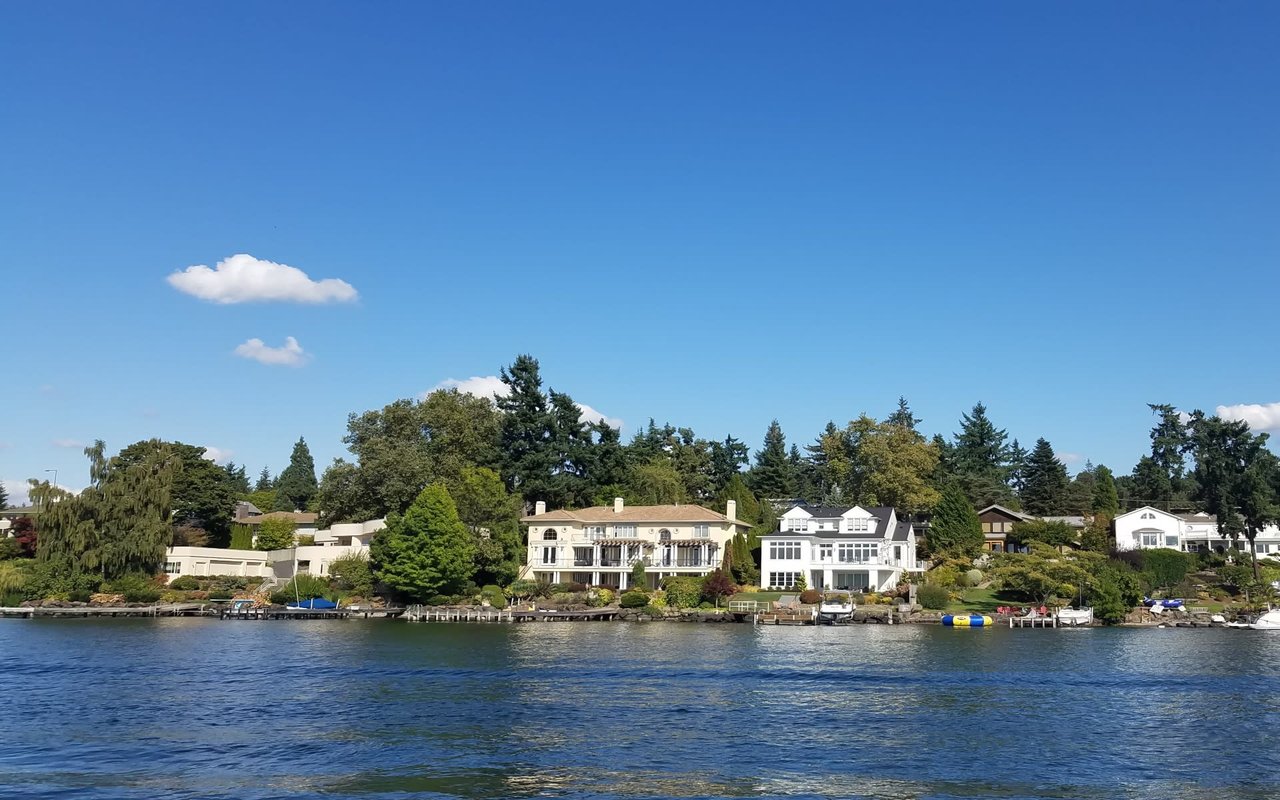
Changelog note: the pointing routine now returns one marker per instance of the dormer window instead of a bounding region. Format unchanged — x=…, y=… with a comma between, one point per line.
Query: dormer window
x=799, y=524
x=859, y=524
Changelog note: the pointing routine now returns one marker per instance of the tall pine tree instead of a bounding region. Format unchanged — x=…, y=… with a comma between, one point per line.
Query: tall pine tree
x=954, y=528
x=979, y=458
x=1105, y=500
x=298, y=483
x=1044, y=491
x=772, y=477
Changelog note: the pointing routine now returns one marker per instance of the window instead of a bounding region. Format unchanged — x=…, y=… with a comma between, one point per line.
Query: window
x=549, y=535
x=783, y=580
x=798, y=525
x=702, y=531
x=664, y=535
x=1151, y=539
x=172, y=567
x=860, y=524
x=1171, y=540
x=1147, y=515
x=595, y=532
x=824, y=552
x=583, y=557
x=784, y=551
x=549, y=555
x=858, y=552
x=624, y=531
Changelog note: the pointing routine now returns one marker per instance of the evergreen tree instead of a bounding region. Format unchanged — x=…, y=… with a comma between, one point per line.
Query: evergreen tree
x=570, y=440
x=830, y=464
x=1150, y=484
x=1105, y=500
x=1169, y=440
x=1079, y=500
x=426, y=552
x=264, y=483
x=954, y=528
x=1044, y=492
x=727, y=459
x=772, y=476
x=606, y=463
x=903, y=416
x=656, y=483
x=979, y=458
x=298, y=484
x=4, y=497
x=1018, y=456
x=526, y=447
x=237, y=478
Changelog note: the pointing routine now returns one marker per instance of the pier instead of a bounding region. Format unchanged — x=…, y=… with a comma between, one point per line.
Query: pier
x=168, y=610
x=1038, y=621
x=463, y=614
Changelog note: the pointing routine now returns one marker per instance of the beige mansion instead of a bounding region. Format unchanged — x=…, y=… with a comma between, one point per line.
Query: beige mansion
x=599, y=545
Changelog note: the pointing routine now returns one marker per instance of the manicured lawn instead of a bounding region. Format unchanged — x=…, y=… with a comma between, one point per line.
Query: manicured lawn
x=983, y=601
x=765, y=597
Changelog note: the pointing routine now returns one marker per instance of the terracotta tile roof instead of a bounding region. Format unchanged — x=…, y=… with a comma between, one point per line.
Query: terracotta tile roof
x=605, y=515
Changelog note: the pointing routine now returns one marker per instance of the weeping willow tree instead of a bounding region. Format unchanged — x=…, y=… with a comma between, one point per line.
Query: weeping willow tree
x=120, y=523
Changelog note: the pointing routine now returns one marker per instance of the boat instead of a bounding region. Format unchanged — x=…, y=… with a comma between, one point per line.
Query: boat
x=1269, y=621
x=967, y=621
x=1151, y=603
x=314, y=604
x=1075, y=617
x=835, y=607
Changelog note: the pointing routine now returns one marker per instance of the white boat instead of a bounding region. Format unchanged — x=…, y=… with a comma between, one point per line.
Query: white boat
x=1269, y=621
x=1075, y=617
x=835, y=607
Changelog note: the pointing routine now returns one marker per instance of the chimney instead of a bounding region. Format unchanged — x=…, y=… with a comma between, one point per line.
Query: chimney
x=540, y=507
x=731, y=509
x=617, y=505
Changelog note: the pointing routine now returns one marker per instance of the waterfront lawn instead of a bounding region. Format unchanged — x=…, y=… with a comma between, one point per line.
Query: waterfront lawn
x=984, y=601
x=763, y=597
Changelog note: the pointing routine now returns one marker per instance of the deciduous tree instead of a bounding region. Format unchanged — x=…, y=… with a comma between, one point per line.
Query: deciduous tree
x=276, y=533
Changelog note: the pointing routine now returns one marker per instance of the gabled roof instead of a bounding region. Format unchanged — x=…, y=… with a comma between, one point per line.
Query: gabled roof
x=605, y=515
x=902, y=532
x=825, y=512
x=1007, y=512
x=296, y=517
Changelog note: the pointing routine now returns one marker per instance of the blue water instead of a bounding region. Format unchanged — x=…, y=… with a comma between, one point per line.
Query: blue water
x=207, y=709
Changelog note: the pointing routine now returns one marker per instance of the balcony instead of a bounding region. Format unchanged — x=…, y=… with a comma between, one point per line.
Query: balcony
x=583, y=562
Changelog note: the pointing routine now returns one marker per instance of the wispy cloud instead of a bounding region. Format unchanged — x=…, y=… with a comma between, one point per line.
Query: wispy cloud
x=17, y=491
x=245, y=279
x=68, y=443
x=1070, y=458
x=1260, y=416
x=217, y=455
x=492, y=386
x=290, y=354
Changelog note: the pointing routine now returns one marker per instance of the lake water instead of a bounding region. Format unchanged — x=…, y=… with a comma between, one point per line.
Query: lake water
x=178, y=708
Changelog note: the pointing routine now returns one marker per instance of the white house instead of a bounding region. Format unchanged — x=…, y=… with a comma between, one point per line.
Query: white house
x=839, y=547
x=279, y=565
x=1149, y=527
x=600, y=545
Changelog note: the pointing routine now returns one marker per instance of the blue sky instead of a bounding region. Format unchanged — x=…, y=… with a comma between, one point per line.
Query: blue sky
x=713, y=214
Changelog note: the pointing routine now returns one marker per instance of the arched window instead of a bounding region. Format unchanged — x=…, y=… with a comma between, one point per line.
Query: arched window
x=664, y=535
x=549, y=535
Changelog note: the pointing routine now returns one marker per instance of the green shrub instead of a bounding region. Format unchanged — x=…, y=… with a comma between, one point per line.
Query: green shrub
x=352, y=573
x=524, y=589
x=653, y=612
x=933, y=596
x=704, y=605
x=135, y=587
x=12, y=578
x=44, y=580
x=184, y=583
x=241, y=537
x=811, y=597
x=494, y=596
x=302, y=587
x=683, y=592
x=946, y=576
x=598, y=598
x=973, y=577
x=79, y=595
x=634, y=600
x=11, y=599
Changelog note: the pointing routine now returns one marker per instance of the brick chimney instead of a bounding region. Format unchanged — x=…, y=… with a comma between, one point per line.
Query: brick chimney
x=617, y=505
x=731, y=509
x=540, y=507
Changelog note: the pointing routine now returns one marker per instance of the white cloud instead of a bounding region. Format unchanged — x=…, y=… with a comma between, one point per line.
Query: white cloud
x=487, y=386
x=492, y=386
x=1070, y=458
x=589, y=414
x=17, y=490
x=245, y=279
x=68, y=443
x=290, y=354
x=217, y=455
x=1260, y=416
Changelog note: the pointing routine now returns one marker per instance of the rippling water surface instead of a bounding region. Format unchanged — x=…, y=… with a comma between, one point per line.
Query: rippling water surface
x=201, y=708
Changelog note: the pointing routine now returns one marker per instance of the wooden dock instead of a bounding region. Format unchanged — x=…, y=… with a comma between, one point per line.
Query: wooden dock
x=80, y=612
x=1045, y=621
x=463, y=614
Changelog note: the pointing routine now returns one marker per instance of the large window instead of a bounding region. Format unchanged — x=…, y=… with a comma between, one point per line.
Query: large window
x=624, y=531
x=783, y=580
x=172, y=567
x=1171, y=540
x=583, y=557
x=860, y=524
x=824, y=552
x=858, y=552
x=1151, y=539
x=784, y=551
x=549, y=555
x=798, y=525
x=595, y=532
x=855, y=581
x=549, y=535
x=702, y=531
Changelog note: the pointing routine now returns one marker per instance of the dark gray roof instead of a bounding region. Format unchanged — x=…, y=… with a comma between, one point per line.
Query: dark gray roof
x=902, y=532
x=881, y=514
x=825, y=512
